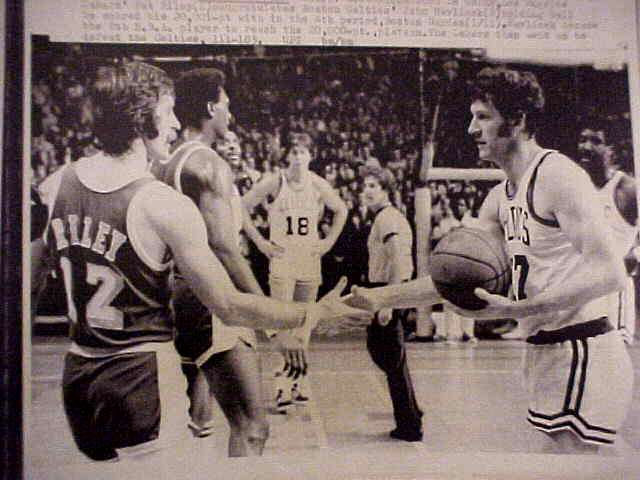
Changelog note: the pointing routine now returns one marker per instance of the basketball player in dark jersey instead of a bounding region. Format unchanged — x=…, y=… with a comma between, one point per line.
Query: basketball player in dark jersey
x=113, y=233
x=219, y=361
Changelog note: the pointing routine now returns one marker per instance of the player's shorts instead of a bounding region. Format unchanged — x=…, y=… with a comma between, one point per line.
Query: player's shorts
x=200, y=344
x=298, y=290
x=130, y=402
x=303, y=266
x=199, y=334
x=579, y=378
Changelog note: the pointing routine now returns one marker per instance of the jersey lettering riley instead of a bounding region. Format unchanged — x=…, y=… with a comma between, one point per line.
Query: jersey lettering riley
x=115, y=299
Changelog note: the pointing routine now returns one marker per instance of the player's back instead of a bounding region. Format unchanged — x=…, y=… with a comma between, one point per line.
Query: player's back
x=170, y=171
x=117, y=296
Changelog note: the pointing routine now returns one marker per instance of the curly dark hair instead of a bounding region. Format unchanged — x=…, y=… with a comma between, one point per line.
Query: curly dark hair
x=513, y=93
x=123, y=98
x=595, y=124
x=194, y=90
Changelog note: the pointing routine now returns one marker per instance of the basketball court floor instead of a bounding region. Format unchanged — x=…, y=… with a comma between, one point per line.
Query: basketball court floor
x=472, y=397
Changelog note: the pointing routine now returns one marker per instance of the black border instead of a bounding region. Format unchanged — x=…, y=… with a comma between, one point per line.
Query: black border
x=11, y=437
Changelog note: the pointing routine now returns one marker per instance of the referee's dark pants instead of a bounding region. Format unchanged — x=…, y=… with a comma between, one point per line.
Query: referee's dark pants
x=386, y=347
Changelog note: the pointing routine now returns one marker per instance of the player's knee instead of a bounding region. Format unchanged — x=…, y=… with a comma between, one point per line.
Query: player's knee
x=254, y=431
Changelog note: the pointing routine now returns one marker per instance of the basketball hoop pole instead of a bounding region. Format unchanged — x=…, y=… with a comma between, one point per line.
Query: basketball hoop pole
x=425, y=326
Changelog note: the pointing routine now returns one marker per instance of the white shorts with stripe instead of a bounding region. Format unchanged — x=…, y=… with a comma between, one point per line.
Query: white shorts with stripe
x=584, y=385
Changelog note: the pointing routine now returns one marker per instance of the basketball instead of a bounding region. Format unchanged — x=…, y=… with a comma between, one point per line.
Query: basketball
x=468, y=258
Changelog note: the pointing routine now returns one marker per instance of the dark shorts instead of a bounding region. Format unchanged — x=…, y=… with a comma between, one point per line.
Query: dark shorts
x=192, y=343
x=193, y=323
x=111, y=402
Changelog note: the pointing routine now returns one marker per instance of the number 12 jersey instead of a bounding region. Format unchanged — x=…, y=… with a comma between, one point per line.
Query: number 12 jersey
x=116, y=298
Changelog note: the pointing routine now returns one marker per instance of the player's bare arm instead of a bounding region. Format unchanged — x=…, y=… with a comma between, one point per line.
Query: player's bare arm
x=488, y=217
x=180, y=226
x=413, y=294
x=334, y=203
x=267, y=247
x=268, y=185
x=626, y=200
x=568, y=197
x=211, y=183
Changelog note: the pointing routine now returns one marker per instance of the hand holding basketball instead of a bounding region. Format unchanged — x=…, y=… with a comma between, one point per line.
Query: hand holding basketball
x=497, y=306
x=468, y=258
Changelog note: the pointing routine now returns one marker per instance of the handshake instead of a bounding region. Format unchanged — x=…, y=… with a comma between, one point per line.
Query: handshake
x=357, y=306
x=339, y=312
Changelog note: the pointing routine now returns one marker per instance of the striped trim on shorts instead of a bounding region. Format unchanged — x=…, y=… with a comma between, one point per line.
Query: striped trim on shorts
x=579, y=378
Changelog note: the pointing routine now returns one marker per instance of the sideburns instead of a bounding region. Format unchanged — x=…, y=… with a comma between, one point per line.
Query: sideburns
x=505, y=130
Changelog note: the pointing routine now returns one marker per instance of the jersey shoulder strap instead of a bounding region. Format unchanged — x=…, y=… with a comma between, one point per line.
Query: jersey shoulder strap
x=181, y=155
x=530, y=190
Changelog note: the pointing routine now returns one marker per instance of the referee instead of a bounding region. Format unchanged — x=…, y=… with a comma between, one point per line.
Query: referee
x=390, y=262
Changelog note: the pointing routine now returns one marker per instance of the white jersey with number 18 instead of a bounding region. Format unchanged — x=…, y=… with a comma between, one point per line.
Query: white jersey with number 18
x=293, y=224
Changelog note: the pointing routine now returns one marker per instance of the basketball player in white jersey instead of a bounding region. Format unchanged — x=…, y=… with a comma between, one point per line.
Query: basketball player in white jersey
x=295, y=249
x=577, y=370
x=617, y=191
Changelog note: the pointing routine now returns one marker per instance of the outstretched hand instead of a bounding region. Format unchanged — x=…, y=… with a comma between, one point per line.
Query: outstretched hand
x=294, y=353
x=363, y=298
x=331, y=307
